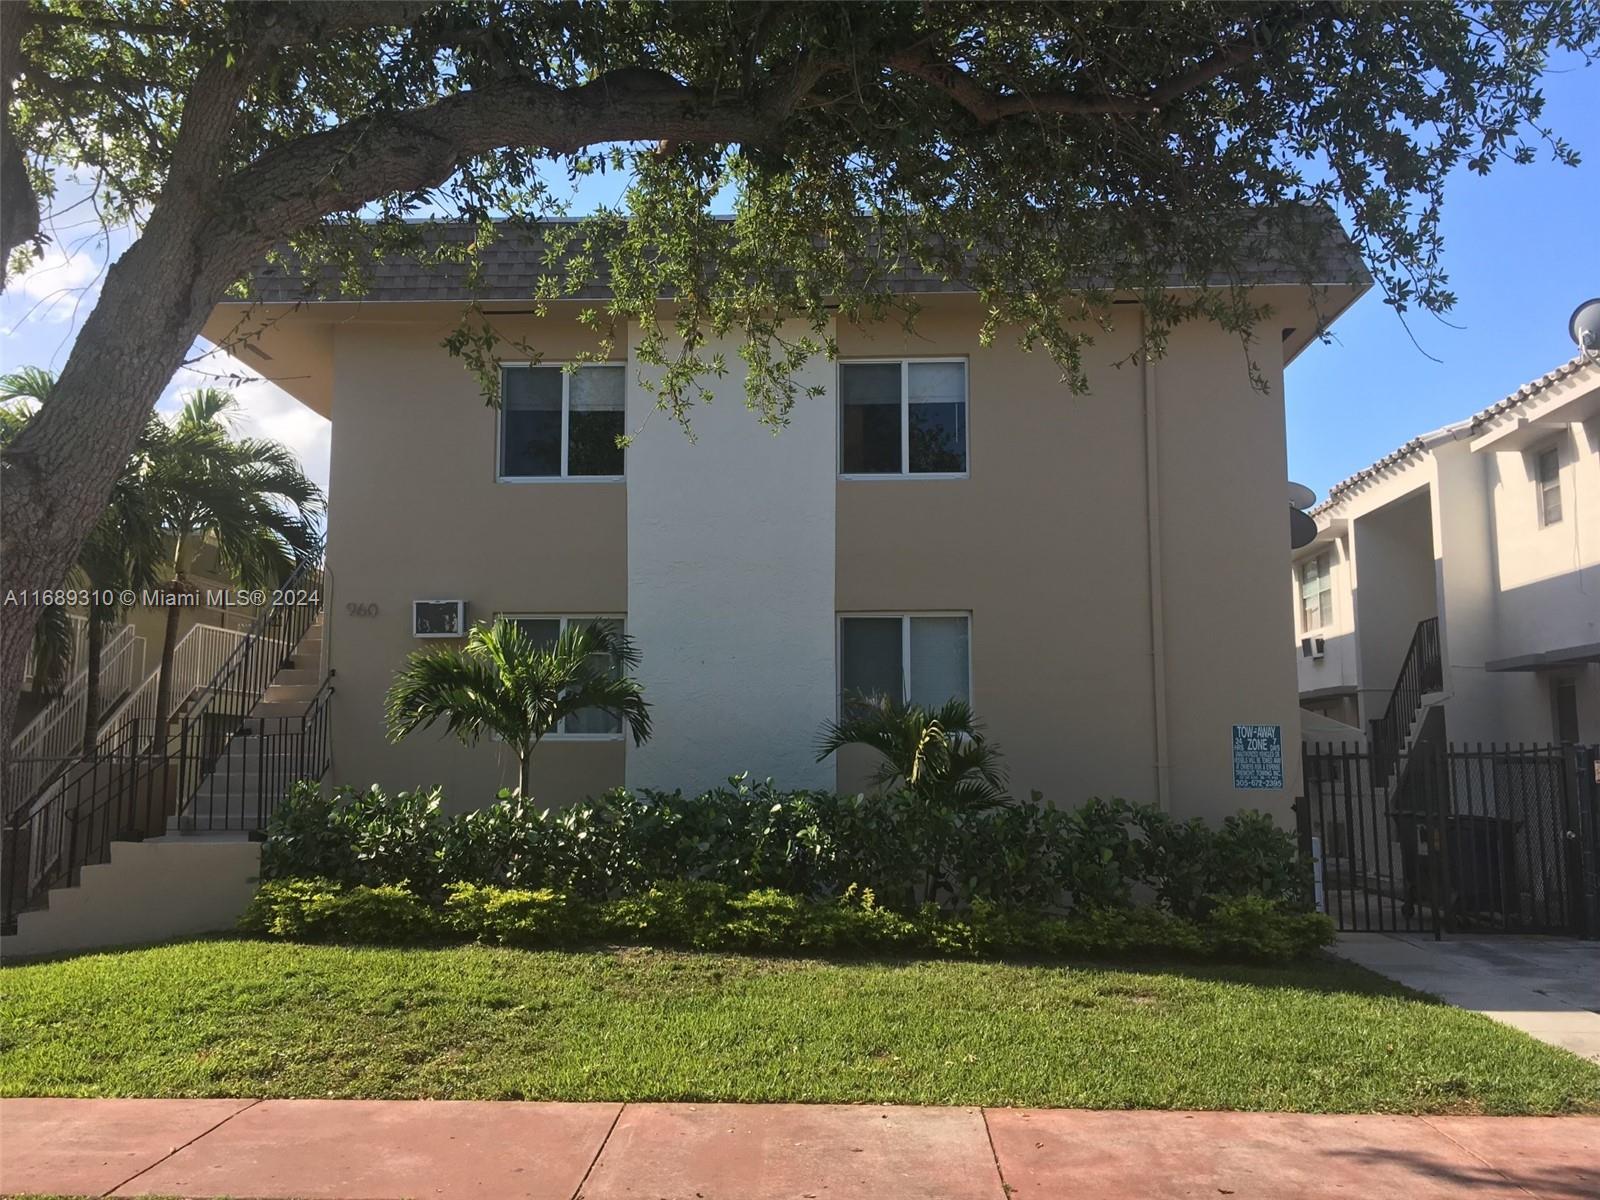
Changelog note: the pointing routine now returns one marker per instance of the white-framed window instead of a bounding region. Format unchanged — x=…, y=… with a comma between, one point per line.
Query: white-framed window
x=921, y=658
x=586, y=724
x=1547, y=483
x=903, y=417
x=557, y=423
x=1316, y=592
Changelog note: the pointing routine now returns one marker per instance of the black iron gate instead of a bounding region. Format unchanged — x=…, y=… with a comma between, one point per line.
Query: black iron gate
x=1455, y=839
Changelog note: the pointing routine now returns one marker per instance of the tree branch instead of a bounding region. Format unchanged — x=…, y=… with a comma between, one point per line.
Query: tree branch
x=990, y=106
x=399, y=152
x=41, y=19
x=19, y=205
x=288, y=22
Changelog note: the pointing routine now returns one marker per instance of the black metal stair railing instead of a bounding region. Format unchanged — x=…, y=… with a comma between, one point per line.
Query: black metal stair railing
x=217, y=711
x=131, y=790
x=1421, y=672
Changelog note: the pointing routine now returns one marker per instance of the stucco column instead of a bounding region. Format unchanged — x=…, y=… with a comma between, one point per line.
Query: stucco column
x=731, y=583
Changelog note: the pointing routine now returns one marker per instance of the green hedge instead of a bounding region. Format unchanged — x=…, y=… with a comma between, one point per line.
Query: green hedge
x=712, y=917
x=753, y=837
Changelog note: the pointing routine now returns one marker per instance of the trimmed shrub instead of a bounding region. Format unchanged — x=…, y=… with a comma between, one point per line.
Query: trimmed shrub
x=1251, y=927
x=711, y=917
x=752, y=837
x=515, y=916
x=319, y=910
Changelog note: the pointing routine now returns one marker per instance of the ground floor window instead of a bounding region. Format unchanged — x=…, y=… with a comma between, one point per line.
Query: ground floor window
x=545, y=631
x=923, y=658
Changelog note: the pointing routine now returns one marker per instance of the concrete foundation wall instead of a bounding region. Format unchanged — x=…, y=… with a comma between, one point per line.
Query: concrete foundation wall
x=149, y=892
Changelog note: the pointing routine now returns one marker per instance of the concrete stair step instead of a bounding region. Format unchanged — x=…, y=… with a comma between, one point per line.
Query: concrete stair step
x=277, y=691
x=280, y=708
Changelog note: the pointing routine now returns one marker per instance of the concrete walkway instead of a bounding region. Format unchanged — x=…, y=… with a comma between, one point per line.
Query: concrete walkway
x=371, y=1150
x=1548, y=987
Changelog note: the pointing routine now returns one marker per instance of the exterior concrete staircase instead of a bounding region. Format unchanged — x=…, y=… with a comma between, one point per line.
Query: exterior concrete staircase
x=262, y=760
x=83, y=865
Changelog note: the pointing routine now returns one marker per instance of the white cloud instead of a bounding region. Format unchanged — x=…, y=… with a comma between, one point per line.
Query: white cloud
x=60, y=285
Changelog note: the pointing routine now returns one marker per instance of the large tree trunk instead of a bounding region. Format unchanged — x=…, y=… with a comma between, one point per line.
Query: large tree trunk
x=57, y=476
x=98, y=620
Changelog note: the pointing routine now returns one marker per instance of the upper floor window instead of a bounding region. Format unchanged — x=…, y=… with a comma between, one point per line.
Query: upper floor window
x=1316, y=592
x=559, y=424
x=1547, y=480
x=907, y=417
x=543, y=632
x=921, y=659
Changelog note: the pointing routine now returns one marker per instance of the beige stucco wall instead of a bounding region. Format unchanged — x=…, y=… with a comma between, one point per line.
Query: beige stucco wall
x=1046, y=545
x=420, y=515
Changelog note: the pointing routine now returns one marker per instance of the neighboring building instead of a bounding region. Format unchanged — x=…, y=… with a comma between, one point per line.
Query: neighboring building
x=1098, y=573
x=1491, y=527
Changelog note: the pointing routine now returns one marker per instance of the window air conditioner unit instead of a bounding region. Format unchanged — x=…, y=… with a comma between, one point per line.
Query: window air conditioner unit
x=438, y=618
x=1313, y=647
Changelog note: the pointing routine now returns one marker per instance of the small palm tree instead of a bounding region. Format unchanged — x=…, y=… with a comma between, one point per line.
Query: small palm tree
x=503, y=683
x=939, y=755
x=937, y=759
x=123, y=553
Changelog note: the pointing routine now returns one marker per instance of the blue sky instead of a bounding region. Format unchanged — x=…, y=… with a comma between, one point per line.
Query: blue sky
x=1522, y=249
x=1522, y=246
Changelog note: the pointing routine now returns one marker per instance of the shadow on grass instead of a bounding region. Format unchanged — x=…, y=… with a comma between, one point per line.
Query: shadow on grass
x=1322, y=972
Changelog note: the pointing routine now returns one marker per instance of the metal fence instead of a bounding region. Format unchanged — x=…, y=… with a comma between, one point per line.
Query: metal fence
x=1449, y=838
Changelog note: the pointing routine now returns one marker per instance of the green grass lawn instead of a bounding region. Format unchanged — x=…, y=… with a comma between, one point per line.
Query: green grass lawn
x=248, y=1018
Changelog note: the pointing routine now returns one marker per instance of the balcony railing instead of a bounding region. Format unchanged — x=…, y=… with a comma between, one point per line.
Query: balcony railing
x=56, y=734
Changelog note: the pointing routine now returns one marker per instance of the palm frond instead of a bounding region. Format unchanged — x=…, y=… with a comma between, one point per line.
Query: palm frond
x=250, y=496
x=27, y=383
x=939, y=755
x=454, y=686
x=500, y=681
x=208, y=406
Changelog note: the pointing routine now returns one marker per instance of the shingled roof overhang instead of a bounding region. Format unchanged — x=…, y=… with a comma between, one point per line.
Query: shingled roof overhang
x=511, y=268
x=284, y=325
x=1471, y=427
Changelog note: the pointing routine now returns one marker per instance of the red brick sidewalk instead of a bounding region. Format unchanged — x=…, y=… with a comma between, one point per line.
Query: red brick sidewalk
x=368, y=1150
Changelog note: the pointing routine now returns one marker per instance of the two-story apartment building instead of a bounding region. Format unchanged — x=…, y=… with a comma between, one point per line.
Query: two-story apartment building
x=1489, y=527
x=1099, y=574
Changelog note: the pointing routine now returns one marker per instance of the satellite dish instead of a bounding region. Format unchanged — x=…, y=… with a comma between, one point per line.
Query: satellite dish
x=1584, y=327
x=1300, y=496
x=1302, y=529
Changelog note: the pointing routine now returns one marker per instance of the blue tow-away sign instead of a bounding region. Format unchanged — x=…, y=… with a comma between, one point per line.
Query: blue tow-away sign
x=1257, y=757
